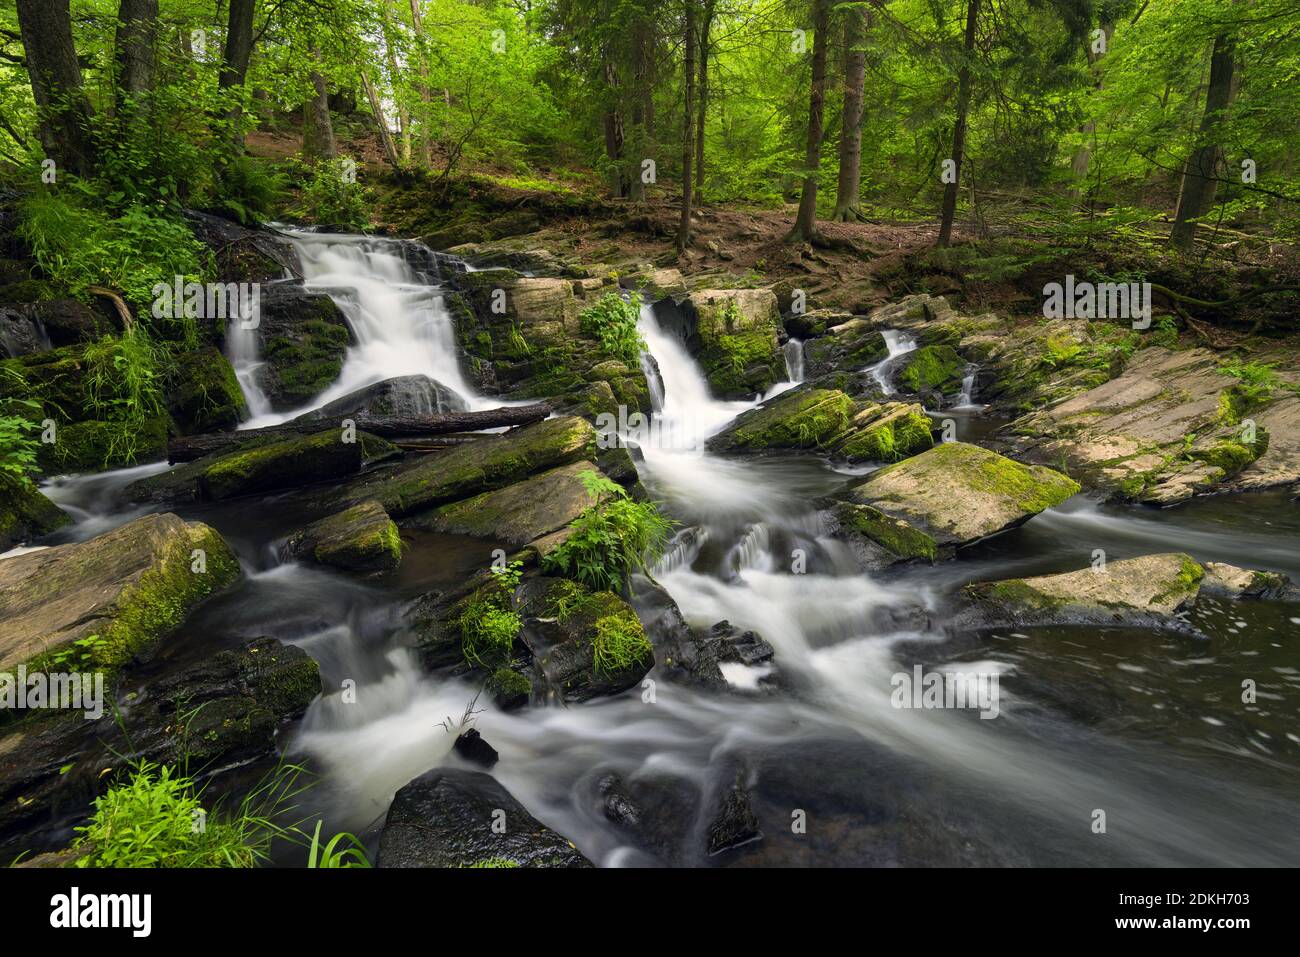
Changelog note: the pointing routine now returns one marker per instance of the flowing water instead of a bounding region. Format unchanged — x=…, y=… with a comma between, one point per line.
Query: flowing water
x=899, y=344
x=1147, y=727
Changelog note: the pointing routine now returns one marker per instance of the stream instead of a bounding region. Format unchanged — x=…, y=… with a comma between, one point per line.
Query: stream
x=1145, y=725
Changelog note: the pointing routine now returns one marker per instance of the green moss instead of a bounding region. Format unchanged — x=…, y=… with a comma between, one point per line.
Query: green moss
x=493, y=862
x=94, y=446
x=164, y=596
x=742, y=363
x=932, y=367
x=25, y=513
x=1014, y=593
x=204, y=393
x=895, y=438
x=302, y=367
x=895, y=536
x=292, y=462
x=805, y=420
x=1229, y=456
x=1186, y=583
x=508, y=686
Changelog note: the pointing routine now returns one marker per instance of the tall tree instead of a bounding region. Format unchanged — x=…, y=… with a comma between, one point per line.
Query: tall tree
x=959, y=126
x=317, y=125
x=1205, y=165
x=848, y=206
x=643, y=110
x=706, y=23
x=805, y=224
x=234, y=60
x=55, y=76
x=688, y=68
x=137, y=26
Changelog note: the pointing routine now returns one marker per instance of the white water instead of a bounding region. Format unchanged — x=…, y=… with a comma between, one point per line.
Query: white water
x=244, y=351
x=966, y=400
x=400, y=324
x=898, y=343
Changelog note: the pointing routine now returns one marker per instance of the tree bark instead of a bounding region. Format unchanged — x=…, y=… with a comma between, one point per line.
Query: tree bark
x=643, y=112
x=137, y=25
x=234, y=61
x=688, y=69
x=614, y=136
x=390, y=148
x=190, y=447
x=847, y=203
x=55, y=75
x=959, y=129
x=701, y=114
x=317, y=125
x=426, y=92
x=805, y=224
x=1082, y=157
x=1205, y=165
x=403, y=115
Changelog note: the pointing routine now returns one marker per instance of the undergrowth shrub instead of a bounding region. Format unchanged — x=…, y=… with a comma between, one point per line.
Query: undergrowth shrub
x=612, y=321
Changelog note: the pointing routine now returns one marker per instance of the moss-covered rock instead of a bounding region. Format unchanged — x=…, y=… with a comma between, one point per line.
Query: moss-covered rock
x=886, y=433
x=203, y=394
x=128, y=587
x=1152, y=588
x=287, y=464
x=899, y=539
x=931, y=368
x=95, y=446
x=304, y=339
x=359, y=539
x=517, y=514
x=25, y=513
x=958, y=493
x=846, y=347
x=803, y=419
x=56, y=379
x=585, y=644
x=737, y=332
x=509, y=689
x=480, y=466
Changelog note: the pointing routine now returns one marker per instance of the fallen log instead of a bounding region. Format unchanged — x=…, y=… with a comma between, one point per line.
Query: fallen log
x=187, y=448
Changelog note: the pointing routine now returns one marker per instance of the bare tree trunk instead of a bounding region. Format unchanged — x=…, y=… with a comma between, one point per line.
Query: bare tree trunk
x=703, y=110
x=688, y=70
x=805, y=224
x=390, y=148
x=390, y=54
x=959, y=130
x=137, y=25
x=1205, y=166
x=614, y=135
x=847, y=203
x=642, y=38
x=55, y=76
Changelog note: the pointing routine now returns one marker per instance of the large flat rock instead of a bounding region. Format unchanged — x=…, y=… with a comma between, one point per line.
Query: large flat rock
x=957, y=493
x=130, y=587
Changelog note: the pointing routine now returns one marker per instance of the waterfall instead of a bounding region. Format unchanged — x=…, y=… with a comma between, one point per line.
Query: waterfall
x=967, y=398
x=400, y=323
x=244, y=352
x=793, y=351
x=898, y=343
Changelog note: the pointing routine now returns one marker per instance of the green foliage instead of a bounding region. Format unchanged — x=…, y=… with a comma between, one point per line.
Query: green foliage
x=333, y=853
x=611, y=539
x=249, y=190
x=124, y=384
x=79, y=244
x=330, y=195
x=488, y=623
x=156, y=818
x=18, y=442
x=612, y=320
x=619, y=643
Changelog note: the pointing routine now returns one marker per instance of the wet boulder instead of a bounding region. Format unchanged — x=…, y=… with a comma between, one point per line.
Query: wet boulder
x=681, y=652
x=801, y=419
x=734, y=822
x=217, y=713
x=129, y=587
x=489, y=463
x=359, y=539
x=878, y=540
x=265, y=464
x=521, y=513
x=956, y=493
x=25, y=513
x=848, y=346
x=446, y=818
x=936, y=368
x=241, y=254
x=1230, y=581
x=1150, y=590
x=203, y=395
x=737, y=334
x=69, y=321
x=885, y=432
x=304, y=339
x=94, y=446
x=401, y=395
x=584, y=644
x=20, y=333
